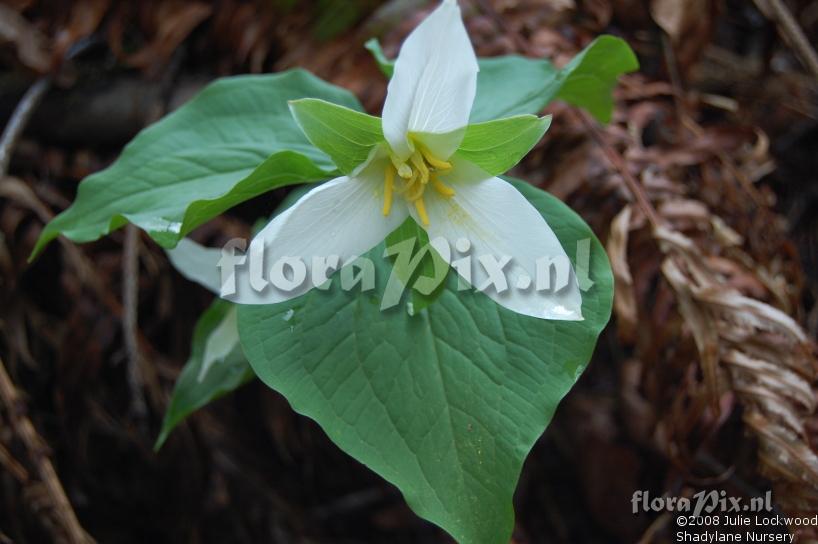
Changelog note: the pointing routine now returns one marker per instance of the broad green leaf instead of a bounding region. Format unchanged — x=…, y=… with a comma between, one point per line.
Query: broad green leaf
x=496, y=146
x=412, y=257
x=346, y=135
x=215, y=341
x=514, y=85
x=589, y=79
x=217, y=366
x=445, y=404
x=235, y=140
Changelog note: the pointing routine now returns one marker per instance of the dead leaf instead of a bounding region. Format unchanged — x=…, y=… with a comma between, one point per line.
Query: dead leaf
x=175, y=21
x=32, y=48
x=85, y=18
x=624, y=297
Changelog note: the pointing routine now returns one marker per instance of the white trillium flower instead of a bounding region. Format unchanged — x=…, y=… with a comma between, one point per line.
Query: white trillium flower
x=414, y=173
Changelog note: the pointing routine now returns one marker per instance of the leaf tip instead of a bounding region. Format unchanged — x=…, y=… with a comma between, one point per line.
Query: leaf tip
x=161, y=439
x=42, y=242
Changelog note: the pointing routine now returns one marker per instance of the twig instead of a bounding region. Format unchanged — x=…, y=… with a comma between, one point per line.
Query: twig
x=130, y=301
x=45, y=470
x=790, y=30
x=15, y=189
x=674, y=76
x=689, y=123
x=15, y=469
x=21, y=424
x=19, y=120
x=752, y=191
x=618, y=162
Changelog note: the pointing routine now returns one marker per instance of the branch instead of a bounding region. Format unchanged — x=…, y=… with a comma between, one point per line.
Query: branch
x=130, y=301
x=619, y=164
x=10, y=463
x=35, y=446
x=19, y=120
x=792, y=33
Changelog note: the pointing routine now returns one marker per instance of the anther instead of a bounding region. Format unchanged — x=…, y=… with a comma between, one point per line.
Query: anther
x=440, y=187
x=388, y=186
x=422, y=169
x=416, y=172
x=414, y=188
x=434, y=161
x=421, y=208
x=403, y=169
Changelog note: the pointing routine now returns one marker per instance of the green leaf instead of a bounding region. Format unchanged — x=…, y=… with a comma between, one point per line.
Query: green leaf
x=445, y=404
x=235, y=140
x=216, y=356
x=511, y=85
x=514, y=85
x=346, y=135
x=412, y=257
x=386, y=66
x=496, y=146
x=589, y=79
x=217, y=366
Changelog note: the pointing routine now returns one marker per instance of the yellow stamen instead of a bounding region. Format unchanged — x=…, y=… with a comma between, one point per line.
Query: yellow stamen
x=434, y=161
x=414, y=188
x=388, y=186
x=401, y=188
x=410, y=178
x=422, y=169
x=421, y=208
x=440, y=187
x=403, y=169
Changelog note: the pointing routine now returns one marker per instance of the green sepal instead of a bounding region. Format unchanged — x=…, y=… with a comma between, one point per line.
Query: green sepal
x=346, y=135
x=497, y=146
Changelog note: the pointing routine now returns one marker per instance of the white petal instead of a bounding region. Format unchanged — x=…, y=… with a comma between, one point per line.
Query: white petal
x=498, y=221
x=433, y=86
x=197, y=263
x=342, y=217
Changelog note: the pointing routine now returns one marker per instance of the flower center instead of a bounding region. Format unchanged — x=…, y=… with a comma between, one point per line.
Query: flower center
x=413, y=176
